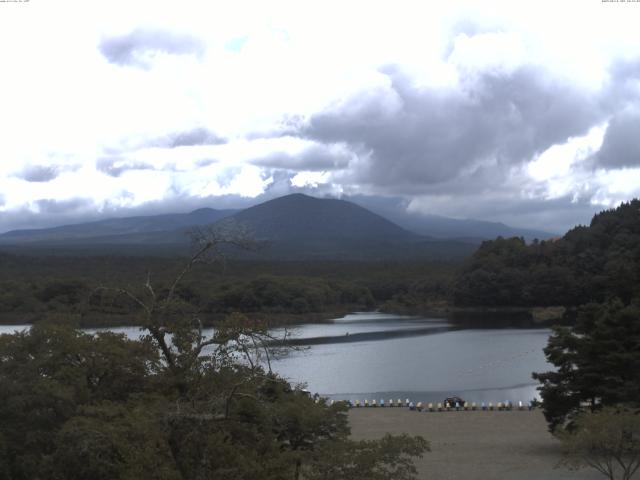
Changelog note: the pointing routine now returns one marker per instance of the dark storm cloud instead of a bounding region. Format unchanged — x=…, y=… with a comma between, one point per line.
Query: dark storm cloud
x=620, y=146
x=314, y=158
x=413, y=136
x=39, y=173
x=623, y=88
x=116, y=166
x=136, y=48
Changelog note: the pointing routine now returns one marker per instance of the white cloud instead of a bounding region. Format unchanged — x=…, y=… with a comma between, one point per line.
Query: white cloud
x=241, y=68
x=309, y=179
x=557, y=161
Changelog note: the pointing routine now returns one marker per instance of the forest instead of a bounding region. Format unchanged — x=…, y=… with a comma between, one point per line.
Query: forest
x=34, y=288
x=174, y=404
x=592, y=263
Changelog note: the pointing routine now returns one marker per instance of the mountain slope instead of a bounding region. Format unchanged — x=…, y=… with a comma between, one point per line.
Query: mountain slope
x=444, y=227
x=299, y=216
x=438, y=226
x=299, y=226
x=118, y=230
x=293, y=227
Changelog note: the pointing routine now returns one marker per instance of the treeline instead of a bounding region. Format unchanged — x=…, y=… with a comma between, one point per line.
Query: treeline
x=87, y=288
x=589, y=264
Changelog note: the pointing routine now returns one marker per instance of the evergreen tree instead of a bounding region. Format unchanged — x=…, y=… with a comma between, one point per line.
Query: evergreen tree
x=597, y=362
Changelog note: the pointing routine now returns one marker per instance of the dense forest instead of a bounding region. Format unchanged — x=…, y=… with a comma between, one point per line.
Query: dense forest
x=34, y=288
x=589, y=264
x=175, y=404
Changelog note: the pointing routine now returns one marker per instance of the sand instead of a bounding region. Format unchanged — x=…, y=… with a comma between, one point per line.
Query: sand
x=491, y=445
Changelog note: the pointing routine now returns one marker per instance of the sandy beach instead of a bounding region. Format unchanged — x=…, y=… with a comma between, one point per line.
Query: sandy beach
x=473, y=445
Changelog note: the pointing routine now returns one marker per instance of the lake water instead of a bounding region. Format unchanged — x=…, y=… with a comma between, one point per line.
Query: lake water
x=374, y=355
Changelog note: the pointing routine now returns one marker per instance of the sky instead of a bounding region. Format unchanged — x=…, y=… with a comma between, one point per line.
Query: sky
x=523, y=112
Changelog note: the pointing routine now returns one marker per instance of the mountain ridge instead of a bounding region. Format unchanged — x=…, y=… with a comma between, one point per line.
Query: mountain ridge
x=294, y=226
x=119, y=226
x=439, y=226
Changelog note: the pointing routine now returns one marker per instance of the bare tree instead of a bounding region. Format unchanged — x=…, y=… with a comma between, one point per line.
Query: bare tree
x=176, y=329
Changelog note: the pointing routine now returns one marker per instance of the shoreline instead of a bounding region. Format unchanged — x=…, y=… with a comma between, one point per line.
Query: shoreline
x=210, y=320
x=536, y=316
x=498, y=316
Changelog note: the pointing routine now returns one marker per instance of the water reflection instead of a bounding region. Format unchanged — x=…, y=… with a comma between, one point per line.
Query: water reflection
x=374, y=355
x=386, y=356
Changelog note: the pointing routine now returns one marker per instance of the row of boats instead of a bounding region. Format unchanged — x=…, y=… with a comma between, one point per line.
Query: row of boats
x=444, y=406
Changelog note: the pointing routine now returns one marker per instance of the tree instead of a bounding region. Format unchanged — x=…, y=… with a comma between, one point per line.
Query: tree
x=48, y=375
x=172, y=325
x=597, y=363
x=589, y=264
x=390, y=457
x=607, y=440
x=174, y=405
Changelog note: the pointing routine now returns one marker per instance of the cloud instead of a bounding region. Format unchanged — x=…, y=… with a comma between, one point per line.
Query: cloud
x=551, y=215
x=116, y=166
x=620, y=147
x=39, y=173
x=138, y=47
x=407, y=136
x=623, y=89
x=205, y=162
x=466, y=105
x=196, y=136
x=45, y=213
x=193, y=137
x=313, y=158
x=54, y=207
x=187, y=138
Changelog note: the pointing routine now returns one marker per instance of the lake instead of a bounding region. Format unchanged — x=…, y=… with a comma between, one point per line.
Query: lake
x=374, y=355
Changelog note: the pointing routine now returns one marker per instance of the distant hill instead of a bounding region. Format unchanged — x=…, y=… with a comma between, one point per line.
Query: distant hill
x=469, y=230
x=292, y=227
x=119, y=230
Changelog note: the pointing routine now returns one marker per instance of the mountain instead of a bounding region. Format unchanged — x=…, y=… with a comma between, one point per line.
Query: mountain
x=300, y=226
x=118, y=230
x=470, y=230
x=292, y=227
x=301, y=217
